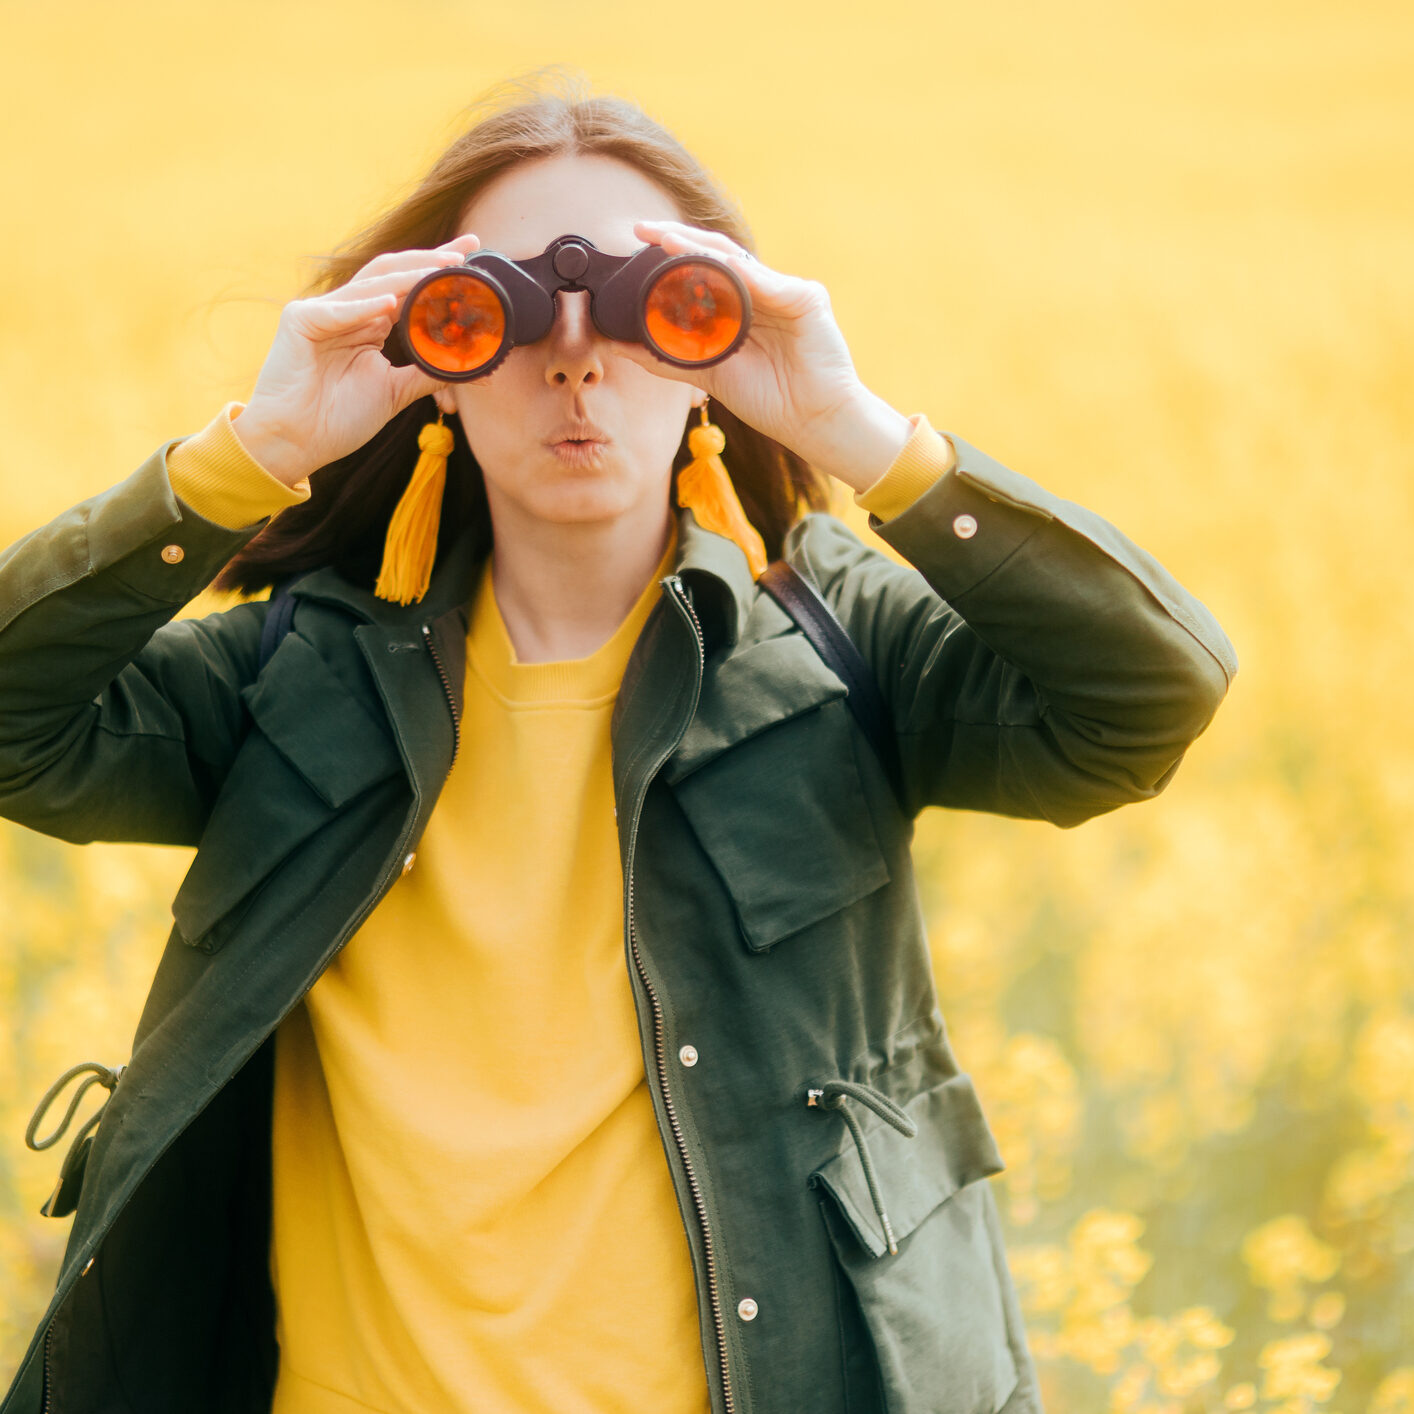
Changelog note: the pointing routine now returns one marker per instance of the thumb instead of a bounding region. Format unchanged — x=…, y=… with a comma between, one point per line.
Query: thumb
x=408, y=385
x=644, y=357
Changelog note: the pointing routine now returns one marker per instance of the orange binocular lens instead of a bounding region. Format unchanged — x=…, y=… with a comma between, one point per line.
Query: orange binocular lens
x=457, y=323
x=693, y=313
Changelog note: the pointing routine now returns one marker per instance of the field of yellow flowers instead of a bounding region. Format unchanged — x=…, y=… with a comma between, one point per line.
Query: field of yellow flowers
x=1157, y=258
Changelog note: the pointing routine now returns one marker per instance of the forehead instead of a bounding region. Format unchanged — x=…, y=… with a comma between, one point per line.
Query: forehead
x=590, y=195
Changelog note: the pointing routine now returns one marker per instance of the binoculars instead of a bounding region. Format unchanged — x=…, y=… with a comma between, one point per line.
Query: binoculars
x=457, y=324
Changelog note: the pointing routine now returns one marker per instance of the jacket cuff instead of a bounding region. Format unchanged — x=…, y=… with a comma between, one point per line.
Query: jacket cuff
x=966, y=525
x=214, y=475
x=925, y=457
x=139, y=532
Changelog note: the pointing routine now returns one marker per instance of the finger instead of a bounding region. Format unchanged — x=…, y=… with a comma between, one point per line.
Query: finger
x=761, y=281
x=410, y=384
x=452, y=253
x=323, y=317
x=397, y=282
x=714, y=242
x=645, y=358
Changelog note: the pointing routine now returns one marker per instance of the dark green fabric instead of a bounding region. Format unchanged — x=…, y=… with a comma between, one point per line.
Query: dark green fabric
x=1043, y=667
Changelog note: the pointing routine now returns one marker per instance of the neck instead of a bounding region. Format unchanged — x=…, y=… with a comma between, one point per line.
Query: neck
x=563, y=588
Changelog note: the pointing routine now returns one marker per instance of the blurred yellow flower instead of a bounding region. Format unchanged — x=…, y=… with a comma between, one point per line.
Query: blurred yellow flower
x=1285, y=1251
x=1395, y=1394
x=1282, y=1256
x=1294, y=1370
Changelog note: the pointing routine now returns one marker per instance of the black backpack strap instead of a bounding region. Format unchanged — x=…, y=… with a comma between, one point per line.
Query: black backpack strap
x=817, y=621
x=277, y=621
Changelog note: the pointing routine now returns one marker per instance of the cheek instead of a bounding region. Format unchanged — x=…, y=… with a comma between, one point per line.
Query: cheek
x=493, y=409
x=654, y=402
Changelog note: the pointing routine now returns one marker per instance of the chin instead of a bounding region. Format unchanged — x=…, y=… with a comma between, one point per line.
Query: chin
x=572, y=500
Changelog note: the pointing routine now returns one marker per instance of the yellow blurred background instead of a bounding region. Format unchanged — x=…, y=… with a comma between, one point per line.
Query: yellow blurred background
x=1160, y=258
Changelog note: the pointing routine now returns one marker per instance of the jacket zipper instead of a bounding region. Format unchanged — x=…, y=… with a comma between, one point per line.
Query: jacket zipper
x=659, y=1054
x=447, y=688
x=713, y=1291
x=48, y=1337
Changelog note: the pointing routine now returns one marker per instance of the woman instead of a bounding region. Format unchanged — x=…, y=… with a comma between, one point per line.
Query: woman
x=548, y=1021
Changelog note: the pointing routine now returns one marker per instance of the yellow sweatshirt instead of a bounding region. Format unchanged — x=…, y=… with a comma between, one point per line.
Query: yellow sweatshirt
x=472, y=1204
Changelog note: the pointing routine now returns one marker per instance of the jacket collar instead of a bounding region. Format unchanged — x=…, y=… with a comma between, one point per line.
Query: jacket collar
x=712, y=567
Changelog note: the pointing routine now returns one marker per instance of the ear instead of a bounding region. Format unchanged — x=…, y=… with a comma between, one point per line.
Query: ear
x=446, y=399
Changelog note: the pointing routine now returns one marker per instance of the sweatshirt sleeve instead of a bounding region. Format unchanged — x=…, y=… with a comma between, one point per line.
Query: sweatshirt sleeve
x=214, y=475
x=926, y=456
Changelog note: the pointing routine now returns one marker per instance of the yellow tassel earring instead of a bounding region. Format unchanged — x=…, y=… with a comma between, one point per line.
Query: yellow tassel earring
x=705, y=487
x=411, y=543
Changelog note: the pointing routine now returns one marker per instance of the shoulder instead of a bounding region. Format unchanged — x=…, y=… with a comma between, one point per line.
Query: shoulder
x=824, y=537
x=846, y=569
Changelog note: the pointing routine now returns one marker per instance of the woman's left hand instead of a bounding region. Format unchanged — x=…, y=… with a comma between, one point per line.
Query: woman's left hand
x=793, y=378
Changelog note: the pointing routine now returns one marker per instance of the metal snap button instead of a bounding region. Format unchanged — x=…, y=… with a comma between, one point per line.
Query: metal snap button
x=746, y=1308
x=408, y=862
x=173, y=554
x=688, y=1055
x=964, y=526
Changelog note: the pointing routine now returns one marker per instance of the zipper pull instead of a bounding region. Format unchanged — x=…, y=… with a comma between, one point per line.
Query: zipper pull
x=675, y=580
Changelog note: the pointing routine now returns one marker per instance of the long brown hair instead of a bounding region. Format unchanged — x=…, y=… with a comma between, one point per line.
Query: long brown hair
x=345, y=519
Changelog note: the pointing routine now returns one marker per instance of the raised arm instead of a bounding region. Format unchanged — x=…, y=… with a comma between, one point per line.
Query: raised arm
x=115, y=722
x=1036, y=661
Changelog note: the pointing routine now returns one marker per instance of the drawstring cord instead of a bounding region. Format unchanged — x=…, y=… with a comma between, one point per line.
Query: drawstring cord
x=832, y=1096
x=101, y=1075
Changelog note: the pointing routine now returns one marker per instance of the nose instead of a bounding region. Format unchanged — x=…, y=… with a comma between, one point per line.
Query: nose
x=575, y=345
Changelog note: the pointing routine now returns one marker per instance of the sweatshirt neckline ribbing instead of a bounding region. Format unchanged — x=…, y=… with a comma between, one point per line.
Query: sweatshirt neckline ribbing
x=571, y=682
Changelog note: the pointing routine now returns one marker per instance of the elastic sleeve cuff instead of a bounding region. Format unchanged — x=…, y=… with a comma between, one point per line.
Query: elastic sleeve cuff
x=218, y=479
x=926, y=456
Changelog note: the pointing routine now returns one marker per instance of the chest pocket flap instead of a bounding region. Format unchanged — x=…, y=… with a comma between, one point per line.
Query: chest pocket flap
x=317, y=724
x=768, y=777
x=312, y=749
x=767, y=683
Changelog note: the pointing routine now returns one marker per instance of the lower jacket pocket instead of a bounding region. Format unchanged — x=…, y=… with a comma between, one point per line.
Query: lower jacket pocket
x=937, y=1309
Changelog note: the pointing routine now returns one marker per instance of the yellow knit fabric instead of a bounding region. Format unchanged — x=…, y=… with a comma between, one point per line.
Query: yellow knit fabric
x=215, y=475
x=926, y=456
x=473, y=1210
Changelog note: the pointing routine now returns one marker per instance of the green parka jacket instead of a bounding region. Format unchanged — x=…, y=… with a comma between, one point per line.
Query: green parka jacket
x=1035, y=662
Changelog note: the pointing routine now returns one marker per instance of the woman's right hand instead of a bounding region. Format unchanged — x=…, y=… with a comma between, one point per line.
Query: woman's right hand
x=325, y=387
